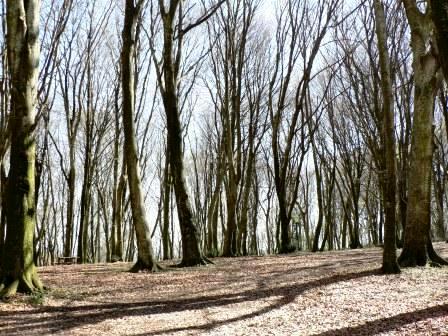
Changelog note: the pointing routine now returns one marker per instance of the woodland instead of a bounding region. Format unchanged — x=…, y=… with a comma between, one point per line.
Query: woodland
x=285, y=150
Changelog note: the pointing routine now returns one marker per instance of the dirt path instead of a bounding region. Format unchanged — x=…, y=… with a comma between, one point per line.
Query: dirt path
x=337, y=293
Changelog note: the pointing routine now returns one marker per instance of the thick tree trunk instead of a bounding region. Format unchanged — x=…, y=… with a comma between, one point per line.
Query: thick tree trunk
x=417, y=244
x=285, y=235
x=419, y=195
x=390, y=264
x=18, y=272
x=145, y=257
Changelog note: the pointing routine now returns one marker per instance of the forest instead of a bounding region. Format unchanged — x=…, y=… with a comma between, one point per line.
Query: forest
x=157, y=136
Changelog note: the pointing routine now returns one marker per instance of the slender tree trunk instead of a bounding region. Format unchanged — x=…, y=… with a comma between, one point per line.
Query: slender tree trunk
x=121, y=199
x=191, y=251
x=18, y=272
x=166, y=210
x=146, y=259
x=256, y=201
x=242, y=232
x=115, y=197
x=213, y=211
x=320, y=216
x=390, y=264
x=3, y=195
x=68, y=243
x=438, y=180
x=85, y=206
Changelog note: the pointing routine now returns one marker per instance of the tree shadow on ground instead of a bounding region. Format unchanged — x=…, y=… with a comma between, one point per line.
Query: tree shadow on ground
x=389, y=323
x=59, y=319
x=270, y=289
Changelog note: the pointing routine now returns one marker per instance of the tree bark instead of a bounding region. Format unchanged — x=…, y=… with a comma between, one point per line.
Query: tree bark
x=417, y=244
x=390, y=264
x=167, y=252
x=191, y=251
x=18, y=272
x=145, y=261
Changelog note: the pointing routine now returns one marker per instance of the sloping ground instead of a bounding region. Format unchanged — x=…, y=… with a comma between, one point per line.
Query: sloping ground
x=337, y=293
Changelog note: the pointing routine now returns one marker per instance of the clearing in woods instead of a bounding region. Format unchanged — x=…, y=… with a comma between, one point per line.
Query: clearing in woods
x=330, y=293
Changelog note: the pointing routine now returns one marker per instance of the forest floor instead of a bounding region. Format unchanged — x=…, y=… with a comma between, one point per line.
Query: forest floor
x=330, y=293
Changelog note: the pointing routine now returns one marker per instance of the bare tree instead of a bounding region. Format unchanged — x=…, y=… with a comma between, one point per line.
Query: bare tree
x=389, y=252
x=168, y=75
x=229, y=33
x=145, y=259
x=293, y=46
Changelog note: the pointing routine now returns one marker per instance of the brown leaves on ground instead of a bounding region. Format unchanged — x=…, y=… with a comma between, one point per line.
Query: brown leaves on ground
x=331, y=293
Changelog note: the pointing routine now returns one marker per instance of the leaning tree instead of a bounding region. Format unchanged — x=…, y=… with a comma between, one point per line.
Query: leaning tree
x=146, y=259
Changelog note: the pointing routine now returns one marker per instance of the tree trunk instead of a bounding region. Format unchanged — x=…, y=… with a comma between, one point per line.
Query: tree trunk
x=191, y=251
x=3, y=195
x=417, y=242
x=85, y=206
x=18, y=272
x=213, y=210
x=68, y=243
x=390, y=264
x=145, y=257
x=166, y=210
x=320, y=216
x=438, y=180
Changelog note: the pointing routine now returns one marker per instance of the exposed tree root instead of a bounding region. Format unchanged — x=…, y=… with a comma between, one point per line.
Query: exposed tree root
x=25, y=283
x=141, y=266
x=410, y=258
x=433, y=256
